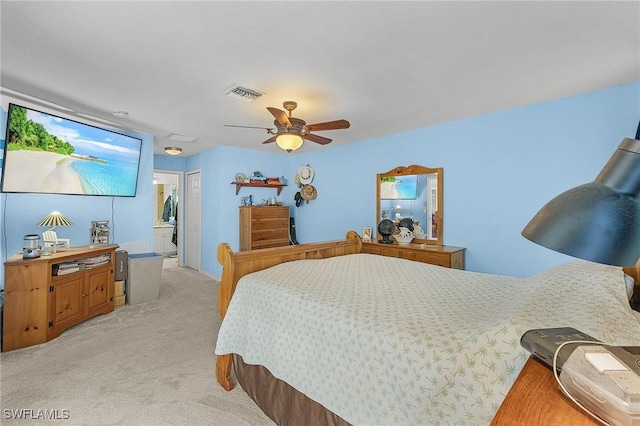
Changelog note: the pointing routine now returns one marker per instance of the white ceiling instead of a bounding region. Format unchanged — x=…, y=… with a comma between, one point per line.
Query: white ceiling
x=386, y=67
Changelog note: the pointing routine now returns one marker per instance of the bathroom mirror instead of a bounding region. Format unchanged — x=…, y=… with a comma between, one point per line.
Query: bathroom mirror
x=165, y=198
x=412, y=192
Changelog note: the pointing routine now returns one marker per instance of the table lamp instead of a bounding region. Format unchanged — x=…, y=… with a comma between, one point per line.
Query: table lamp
x=52, y=220
x=598, y=221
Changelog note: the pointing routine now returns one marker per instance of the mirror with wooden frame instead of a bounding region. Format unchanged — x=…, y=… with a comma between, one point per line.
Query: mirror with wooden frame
x=412, y=192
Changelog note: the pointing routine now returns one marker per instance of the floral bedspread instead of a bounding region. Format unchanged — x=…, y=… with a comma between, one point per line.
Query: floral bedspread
x=380, y=340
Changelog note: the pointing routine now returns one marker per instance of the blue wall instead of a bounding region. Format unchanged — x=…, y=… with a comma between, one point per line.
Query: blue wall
x=499, y=170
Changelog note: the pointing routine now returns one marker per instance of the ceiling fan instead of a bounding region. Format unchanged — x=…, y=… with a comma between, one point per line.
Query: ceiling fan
x=290, y=131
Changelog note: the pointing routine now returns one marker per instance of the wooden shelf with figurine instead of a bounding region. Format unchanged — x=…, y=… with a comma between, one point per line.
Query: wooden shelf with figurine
x=239, y=185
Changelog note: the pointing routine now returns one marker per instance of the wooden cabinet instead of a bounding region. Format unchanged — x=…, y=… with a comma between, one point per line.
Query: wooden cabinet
x=163, y=240
x=40, y=305
x=263, y=227
x=446, y=256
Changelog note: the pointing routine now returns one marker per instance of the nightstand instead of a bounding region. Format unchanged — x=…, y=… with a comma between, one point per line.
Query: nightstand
x=535, y=399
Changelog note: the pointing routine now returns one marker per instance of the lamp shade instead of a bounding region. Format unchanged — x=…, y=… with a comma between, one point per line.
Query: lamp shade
x=289, y=141
x=55, y=219
x=598, y=221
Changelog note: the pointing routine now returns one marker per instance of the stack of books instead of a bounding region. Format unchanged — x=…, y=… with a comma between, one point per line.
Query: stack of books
x=65, y=268
x=94, y=261
x=80, y=264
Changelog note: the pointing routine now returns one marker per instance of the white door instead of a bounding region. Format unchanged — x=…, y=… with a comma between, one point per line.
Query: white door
x=193, y=220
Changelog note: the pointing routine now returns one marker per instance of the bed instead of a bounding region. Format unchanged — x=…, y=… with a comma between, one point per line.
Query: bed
x=323, y=334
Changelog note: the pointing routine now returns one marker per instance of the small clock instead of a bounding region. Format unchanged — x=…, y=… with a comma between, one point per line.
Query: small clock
x=386, y=227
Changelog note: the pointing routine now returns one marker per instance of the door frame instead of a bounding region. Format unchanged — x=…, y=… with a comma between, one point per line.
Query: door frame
x=199, y=213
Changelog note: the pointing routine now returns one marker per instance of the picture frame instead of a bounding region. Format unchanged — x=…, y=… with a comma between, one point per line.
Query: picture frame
x=366, y=233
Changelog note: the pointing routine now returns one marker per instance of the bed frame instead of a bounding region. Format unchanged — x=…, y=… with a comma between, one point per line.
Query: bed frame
x=237, y=265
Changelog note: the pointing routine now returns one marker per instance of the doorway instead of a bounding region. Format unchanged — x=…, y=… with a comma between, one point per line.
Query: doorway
x=167, y=209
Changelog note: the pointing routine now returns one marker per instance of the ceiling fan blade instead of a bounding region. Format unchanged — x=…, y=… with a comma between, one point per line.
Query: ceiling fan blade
x=271, y=139
x=318, y=139
x=268, y=129
x=329, y=125
x=280, y=115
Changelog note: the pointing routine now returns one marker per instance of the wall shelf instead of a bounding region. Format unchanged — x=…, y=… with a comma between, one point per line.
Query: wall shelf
x=258, y=185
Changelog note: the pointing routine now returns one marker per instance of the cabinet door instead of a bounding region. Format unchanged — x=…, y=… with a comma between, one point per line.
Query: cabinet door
x=25, y=305
x=67, y=302
x=97, y=289
x=158, y=242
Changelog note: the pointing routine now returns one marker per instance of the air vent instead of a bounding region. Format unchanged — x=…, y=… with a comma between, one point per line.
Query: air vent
x=242, y=93
x=180, y=138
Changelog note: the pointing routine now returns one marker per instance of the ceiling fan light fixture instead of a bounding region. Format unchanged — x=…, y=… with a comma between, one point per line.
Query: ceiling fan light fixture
x=172, y=150
x=289, y=141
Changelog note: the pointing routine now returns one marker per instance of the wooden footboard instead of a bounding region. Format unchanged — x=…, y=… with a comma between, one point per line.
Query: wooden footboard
x=237, y=265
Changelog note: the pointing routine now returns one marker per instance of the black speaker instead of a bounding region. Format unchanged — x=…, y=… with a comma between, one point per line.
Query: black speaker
x=292, y=231
x=122, y=265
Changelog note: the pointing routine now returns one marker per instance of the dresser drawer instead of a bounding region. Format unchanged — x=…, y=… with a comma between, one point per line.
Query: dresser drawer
x=269, y=212
x=276, y=223
x=434, y=259
x=269, y=234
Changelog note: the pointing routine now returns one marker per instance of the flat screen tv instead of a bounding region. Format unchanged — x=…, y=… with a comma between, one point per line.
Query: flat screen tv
x=399, y=187
x=47, y=154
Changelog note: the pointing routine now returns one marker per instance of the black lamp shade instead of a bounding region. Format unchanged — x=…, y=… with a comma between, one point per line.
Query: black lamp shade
x=598, y=221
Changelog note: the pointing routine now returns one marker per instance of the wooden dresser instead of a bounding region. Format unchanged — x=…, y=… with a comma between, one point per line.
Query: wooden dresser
x=39, y=304
x=263, y=227
x=447, y=256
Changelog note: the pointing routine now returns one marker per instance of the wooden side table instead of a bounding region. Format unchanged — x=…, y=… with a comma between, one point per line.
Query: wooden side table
x=535, y=399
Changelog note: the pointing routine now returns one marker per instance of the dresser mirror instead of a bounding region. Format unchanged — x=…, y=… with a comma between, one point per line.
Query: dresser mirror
x=412, y=192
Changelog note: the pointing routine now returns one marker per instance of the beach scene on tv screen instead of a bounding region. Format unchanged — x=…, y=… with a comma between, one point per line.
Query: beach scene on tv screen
x=49, y=154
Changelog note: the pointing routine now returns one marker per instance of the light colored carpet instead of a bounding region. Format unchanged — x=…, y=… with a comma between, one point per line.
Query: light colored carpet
x=148, y=364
